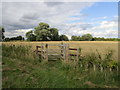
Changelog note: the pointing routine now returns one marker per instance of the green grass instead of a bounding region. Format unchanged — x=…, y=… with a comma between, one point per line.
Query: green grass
x=21, y=69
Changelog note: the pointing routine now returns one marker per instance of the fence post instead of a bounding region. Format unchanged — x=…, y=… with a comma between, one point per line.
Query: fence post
x=67, y=55
x=42, y=53
x=46, y=52
x=62, y=51
x=77, y=55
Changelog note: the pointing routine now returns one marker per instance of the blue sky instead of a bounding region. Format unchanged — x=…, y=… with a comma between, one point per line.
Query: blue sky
x=96, y=18
x=100, y=9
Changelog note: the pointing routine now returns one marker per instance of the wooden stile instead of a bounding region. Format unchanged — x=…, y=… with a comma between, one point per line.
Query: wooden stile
x=64, y=49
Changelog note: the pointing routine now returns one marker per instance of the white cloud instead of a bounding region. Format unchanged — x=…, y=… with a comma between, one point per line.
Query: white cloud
x=103, y=29
x=15, y=33
x=28, y=15
x=18, y=18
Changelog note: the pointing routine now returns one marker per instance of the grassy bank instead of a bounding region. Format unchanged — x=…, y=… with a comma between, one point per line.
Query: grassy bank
x=21, y=69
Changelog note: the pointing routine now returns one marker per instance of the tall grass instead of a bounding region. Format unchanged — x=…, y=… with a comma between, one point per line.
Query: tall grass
x=22, y=70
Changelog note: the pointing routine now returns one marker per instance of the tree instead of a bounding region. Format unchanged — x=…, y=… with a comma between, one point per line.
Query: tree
x=16, y=38
x=43, y=32
x=63, y=38
x=41, y=27
x=87, y=37
x=28, y=33
x=54, y=34
x=30, y=36
x=2, y=30
x=44, y=35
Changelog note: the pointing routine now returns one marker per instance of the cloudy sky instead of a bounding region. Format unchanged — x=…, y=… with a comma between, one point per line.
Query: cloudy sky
x=71, y=18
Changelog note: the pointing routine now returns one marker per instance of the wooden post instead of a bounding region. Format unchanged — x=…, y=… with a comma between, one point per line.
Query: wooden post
x=42, y=53
x=67, y=53
x=46, y=52
x=78, y=54
x=62, y=51
x=74, y=56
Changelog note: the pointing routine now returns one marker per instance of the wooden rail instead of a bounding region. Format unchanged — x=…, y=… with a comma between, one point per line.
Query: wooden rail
x=72, y=49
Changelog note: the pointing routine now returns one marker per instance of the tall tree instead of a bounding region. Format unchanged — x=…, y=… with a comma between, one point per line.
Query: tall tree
x=43, y=32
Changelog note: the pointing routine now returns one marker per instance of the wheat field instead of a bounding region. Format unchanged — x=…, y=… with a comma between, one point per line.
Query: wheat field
x=86, y=46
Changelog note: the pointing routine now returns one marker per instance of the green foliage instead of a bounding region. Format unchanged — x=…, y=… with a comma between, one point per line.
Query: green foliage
x=44, y=35
x=41, y=27
x=105, y=39
x=87, y=37
x=113, y=64
x=63, y=38
x=28, y=33
x=30, y=36
x=43, y=32
x=75, y=38
x=54, y=35
x=107, y=61
x=18, y=38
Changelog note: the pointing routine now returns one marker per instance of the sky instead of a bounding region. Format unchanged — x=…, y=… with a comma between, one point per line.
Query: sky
x=71, y=18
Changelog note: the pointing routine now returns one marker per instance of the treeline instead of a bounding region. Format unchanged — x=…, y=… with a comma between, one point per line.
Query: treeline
x=18, y=38
x=89, y=37
x=43, y=32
